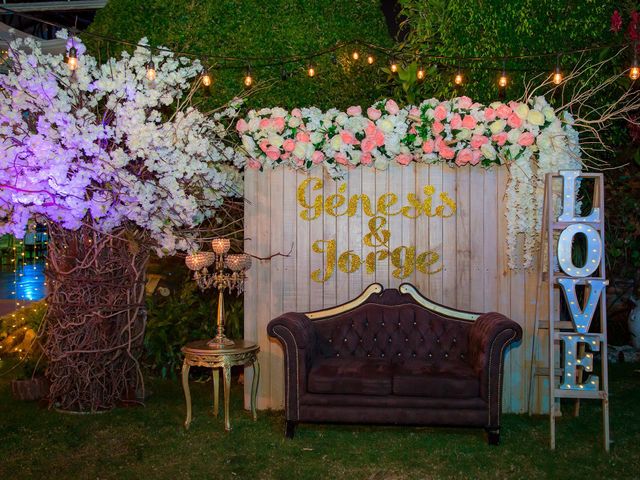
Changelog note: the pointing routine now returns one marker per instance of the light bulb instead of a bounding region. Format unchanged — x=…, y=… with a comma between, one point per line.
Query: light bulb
x=502, y=81
x=420, y=73
x=72, y=59
x=151, y=71
x=458, y=79
x=557, y=78
x=370, y=59
x=394, y=66
x=355, y=55
x=206, y=78
x=248, y=79
x=634, y=72
x=220, y=245
x=311, y=71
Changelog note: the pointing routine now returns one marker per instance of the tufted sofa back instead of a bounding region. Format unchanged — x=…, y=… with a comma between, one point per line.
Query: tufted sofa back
x=394, y=332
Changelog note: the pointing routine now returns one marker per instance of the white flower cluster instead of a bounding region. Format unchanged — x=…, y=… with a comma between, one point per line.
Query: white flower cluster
x=102, y=144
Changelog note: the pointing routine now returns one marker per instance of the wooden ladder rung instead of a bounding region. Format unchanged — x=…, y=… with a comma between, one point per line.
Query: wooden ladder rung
x=578, y=393
x=563, y=225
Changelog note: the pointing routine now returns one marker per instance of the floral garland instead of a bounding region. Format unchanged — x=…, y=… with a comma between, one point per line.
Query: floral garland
x=529, y=137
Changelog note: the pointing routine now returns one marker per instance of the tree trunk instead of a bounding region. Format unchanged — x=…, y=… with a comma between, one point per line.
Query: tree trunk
x=95, y=323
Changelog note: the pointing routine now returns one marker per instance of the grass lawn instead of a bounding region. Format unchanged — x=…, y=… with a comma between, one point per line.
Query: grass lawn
x=150, y=442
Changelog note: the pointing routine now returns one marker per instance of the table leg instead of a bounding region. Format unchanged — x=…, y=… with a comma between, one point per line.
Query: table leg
x=216, y=390
x=254, y=388
x=227, y=387
x=187, y=394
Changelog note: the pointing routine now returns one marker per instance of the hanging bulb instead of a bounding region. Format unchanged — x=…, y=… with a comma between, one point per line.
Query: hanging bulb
x=151, y=71
x=311, y=70
x=420, y=74
x=370, y=59
x=557, y=74
x=355, y=55
x=502, y=81
x=458, y=79
x=248, y=79
x=634, y=71
x=393, y=65
x=206, y=78
x=72, y=59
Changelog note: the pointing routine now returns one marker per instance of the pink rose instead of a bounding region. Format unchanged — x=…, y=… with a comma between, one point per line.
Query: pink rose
x=348, y=138
x=427, y=147
x=526, y=139
x=464, y=102
x=253, y=163
x=447, y=152
x=514, y=121
x=391, y=107
x=302, y=137
x=242, y=126
x=354, y=111
x=279, y=123
x=285, y=156
x=464, y=156
x=404, y=158
x=273, y=152
x=489, y=114
x=412, y=130
x=370, y=129
x=477, y=155
x=437, y=128
x=265, y=123
x=500, y=138
x=365, y=159
x=288, y=145
x=373, y=113
x=414, y=112
x=503, y=111
x=341, y=159
x=439, y=143
x=296, y=112
x=317, y=157
x=378, y=136
x=478, y=140
x=368, y=144
x=264, y=145
x=440, y=113
x=456, y=122
x=299, y=162
x=469, y=122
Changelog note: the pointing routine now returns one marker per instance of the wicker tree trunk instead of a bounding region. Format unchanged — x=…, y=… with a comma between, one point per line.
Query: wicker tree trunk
x=96, y=318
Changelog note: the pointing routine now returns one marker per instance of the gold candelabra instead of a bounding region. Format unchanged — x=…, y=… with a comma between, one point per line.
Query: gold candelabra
x=222, y=271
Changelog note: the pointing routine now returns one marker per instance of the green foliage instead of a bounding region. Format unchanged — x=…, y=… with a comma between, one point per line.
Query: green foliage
x=495, y=28
x=18, y=331
x=255, y=28
x=185, y=315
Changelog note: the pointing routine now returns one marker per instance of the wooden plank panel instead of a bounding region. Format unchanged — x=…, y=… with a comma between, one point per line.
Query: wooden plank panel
x=476, y=240
x=251, y=289
x=382, y=265
x=355, y=235
x=276, y=218
x=368, y=187
x=463, y=243
x=449, y=248
x=329, y=288
x=421, y=228
x=342, y=238
x=491, y=244
x=316, y=260
x=301, y=250
x=289, y=235
x=395, y=187
x=436, y=232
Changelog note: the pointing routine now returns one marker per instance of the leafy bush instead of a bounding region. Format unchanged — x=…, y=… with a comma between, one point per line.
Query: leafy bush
x=256, y=28
x=18, y=338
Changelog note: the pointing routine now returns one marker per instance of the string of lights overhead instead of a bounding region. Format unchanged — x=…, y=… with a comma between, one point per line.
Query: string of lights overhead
x=395, y=59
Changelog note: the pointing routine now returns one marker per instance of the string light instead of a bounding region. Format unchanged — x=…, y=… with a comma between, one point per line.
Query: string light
x=355, y=55
x=248, y=79
x=503, y=80
x=311, y=70
x=557, y=75
x=420, y=74
x=206, y=78
x=634, y=71
x=458, y=79
x=151, y=71
x=72, y=59
x=394, y=65
x=370, y=59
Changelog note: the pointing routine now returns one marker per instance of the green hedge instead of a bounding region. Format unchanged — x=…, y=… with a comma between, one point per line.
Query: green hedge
x=261, y=28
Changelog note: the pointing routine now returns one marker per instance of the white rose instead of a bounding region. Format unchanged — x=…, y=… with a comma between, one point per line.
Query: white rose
x=275, y=140
x=488, y=151
x=342, y=118
x=385, y=125
x=300, y=150
x=464, y=134
x=522, y=111
x=535, y=118
x=381, y=163
x=316, y=137
x=549, y=113
x=248, y=144
x=513, y=135
x=294, y=122
x=336, y=142
x=355, y=157
x=498, y=126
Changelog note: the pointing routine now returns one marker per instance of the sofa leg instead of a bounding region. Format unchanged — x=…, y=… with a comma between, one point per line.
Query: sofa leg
x=290, y=429
x=493, y=436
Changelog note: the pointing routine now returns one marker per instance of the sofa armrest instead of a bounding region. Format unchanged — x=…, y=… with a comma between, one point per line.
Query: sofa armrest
x=297, y=335
x=489, y=336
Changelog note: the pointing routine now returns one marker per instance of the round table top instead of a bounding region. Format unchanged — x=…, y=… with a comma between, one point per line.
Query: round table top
x=200, y=347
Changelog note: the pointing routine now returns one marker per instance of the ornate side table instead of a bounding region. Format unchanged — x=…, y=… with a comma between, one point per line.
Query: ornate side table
x=199, y=354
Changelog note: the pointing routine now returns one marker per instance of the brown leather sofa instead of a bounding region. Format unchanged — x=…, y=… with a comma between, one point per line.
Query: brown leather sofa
x=394, y=357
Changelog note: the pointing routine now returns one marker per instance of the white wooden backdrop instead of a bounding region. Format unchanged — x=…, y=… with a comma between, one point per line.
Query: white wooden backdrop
x=475, y=275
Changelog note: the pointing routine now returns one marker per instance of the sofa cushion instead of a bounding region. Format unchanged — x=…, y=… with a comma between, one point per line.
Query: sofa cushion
x=452, y=379
x=350, y=376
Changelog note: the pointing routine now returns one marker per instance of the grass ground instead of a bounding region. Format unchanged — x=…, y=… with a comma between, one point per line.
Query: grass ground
x=150, y=443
